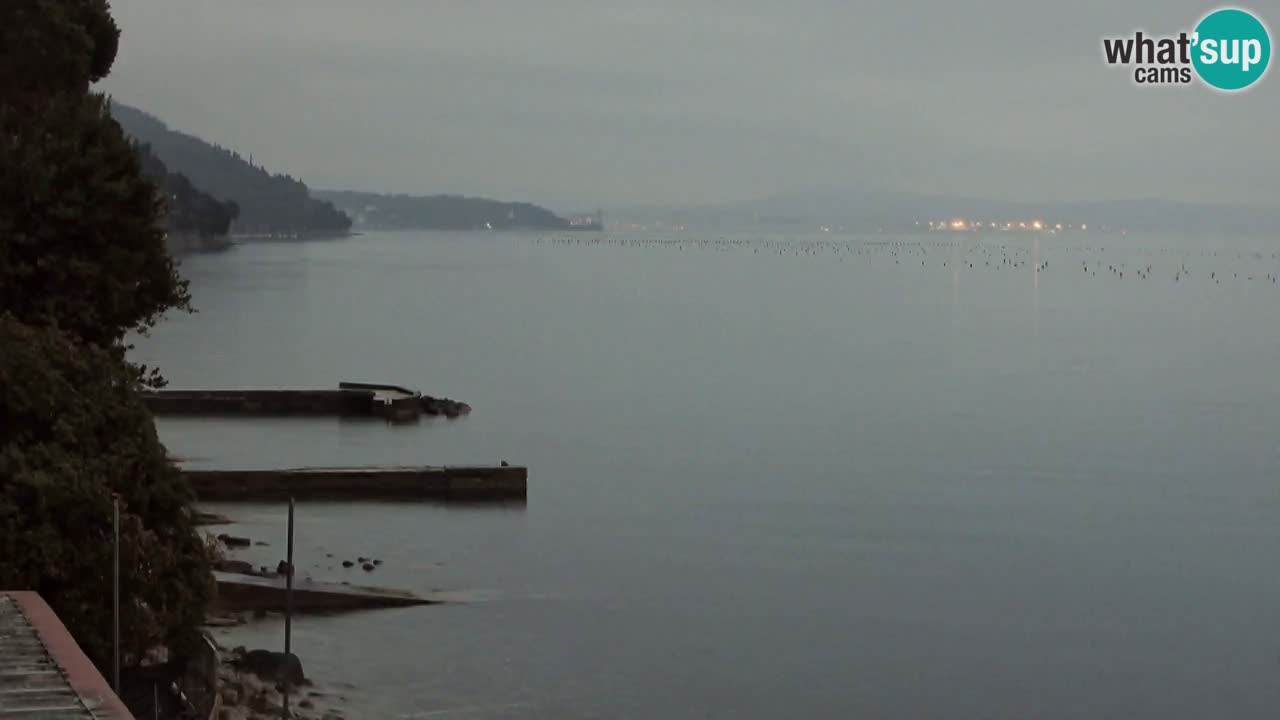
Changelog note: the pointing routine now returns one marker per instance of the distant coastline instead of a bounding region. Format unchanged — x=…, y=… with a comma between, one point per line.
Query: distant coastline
x=303, y=235
x=376, y=211
x=182, y=243
x=187, y=243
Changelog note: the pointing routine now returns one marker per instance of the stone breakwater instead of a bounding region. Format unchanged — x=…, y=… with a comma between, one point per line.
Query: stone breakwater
x=259, y=592
x=349, y=399
x=468, y=483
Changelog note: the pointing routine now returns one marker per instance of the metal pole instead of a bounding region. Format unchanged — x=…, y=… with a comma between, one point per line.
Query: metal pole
x=115, y=594
x=288, y=612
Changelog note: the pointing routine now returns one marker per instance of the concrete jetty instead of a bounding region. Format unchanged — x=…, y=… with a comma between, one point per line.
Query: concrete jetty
x=347, y=400
x=486, y=482
x=237, y=592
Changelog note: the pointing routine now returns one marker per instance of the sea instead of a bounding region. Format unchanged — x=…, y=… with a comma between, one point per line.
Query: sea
x=946, y=475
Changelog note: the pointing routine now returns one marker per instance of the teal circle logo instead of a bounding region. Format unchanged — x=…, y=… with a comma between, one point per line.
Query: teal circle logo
x=1232, y=49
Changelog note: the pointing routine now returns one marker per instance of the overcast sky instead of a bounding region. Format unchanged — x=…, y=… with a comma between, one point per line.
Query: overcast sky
x=579, y=103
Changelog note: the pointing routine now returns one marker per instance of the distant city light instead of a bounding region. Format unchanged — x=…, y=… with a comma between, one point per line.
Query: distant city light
x=960, y=224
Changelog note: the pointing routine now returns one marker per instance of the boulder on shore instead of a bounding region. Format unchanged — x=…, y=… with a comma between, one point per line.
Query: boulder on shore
x=443, y=406
x=234, y=540
x=271, y=665
x=207, y=518
x=234, y=566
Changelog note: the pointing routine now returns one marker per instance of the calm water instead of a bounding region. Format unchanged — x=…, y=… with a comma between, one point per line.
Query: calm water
x=807, y=477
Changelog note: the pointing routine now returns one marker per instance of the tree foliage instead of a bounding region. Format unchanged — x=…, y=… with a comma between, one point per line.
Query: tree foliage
x=188, y=210
x=74, y=433
x=83, y=263
x=83, y=245
x=54, y=46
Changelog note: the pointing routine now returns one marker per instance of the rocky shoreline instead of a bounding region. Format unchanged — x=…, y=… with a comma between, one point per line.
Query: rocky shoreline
x=443, y=406
x=252, y=683
x=244, y=567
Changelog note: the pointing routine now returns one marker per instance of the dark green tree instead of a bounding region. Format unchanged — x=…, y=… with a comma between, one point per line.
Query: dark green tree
x=83, y=244
x=53, y=46
x=74, y=431
x=188, y=210
x=82, y=264
x=81, y=234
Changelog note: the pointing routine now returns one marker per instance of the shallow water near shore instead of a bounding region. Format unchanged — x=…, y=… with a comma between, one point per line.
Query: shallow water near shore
x=814, y=476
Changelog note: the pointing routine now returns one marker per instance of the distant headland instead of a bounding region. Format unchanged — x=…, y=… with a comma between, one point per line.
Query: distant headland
x=264, y=203
x=450, y=212
x=213, y=193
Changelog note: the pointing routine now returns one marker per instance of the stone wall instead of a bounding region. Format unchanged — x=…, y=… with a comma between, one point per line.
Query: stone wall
x=451, y=483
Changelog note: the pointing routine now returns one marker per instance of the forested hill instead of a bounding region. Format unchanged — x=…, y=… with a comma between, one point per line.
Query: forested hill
x=268, y=203
x=441, y=212
x=188, y=211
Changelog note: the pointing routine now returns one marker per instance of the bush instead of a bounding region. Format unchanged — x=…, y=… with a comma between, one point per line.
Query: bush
x=81, y=240
x=73, y=431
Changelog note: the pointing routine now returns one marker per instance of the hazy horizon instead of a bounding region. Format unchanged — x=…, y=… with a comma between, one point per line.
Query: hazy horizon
x=578, y=105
